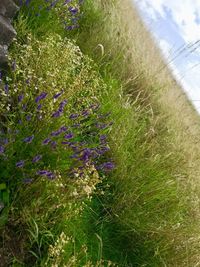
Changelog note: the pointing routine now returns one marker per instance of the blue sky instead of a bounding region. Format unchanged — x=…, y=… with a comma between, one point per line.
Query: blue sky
x=175, y=25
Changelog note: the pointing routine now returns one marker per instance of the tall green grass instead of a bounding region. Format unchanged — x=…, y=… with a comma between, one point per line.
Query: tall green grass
x=137, y=215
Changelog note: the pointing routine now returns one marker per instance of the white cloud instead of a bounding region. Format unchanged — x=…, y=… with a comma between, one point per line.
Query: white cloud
x=185, y=13
x=165, y=48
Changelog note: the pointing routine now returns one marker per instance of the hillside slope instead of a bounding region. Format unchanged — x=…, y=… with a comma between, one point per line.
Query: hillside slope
x=99, y=146
x=137, y=62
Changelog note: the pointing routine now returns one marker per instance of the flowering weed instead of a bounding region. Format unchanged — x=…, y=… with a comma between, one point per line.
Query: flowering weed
x=65, y=14
x=52, y=122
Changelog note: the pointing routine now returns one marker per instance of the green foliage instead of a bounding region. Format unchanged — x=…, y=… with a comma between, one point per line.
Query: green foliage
x=137, y=215
x=4, y=203
x=52, y=73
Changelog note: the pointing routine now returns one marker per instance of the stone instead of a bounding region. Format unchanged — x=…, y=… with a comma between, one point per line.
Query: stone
x=8, y=8
x=3, y=54
x=7, y=32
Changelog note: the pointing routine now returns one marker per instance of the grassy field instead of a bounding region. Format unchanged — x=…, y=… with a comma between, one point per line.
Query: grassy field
x=98, y=146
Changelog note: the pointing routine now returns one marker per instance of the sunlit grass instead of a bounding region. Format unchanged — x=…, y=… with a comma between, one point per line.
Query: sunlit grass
x=140, y=214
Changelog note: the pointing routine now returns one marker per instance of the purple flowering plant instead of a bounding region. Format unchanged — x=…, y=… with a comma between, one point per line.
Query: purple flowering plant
x=68, y=12
x=40, y=142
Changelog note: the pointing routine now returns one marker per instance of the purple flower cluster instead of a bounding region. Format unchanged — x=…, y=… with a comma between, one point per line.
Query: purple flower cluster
x=49, y=174
x=40, y=97
x=2, y=150
x=69, y=12
x=58, y=94
x=106, y=166
x=77, y=138
x=37, y=158
x=20, y=164
x=28, y=139
x=60, y=110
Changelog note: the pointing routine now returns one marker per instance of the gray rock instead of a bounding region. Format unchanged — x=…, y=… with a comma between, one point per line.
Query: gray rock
x=3, y=54
x=8, y=8
x=7, y=32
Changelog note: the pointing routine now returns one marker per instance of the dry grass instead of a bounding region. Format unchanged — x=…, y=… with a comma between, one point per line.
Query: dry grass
x=142, y=62
x=146, y=79
x=173, y=106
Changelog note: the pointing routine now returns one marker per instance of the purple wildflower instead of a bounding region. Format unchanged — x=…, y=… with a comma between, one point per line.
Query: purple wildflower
x=56, y=114
x=37, y=158
x=20, y=98
x=65, y=143
x=28, y=81
x=73, y=10
x=102, y=125
x=69, y=136
x=46, y=141
x=29, y=139
x=85, y=155
x=24, y=106
x=69, y=28
x=102, y=150
x=28, y=117
x=52, y=5
x=62, y=105
x=56, y=133
x=2, y=149
x=73, y=116
x=103, y=139
x=6, y=88
x=94, y=106
x=107, y=166
x=42, y=172
x=85, y=113
x=39, y=106
x=57, y=95
x=40, y=97
x=49, y=174
x=5, y=141
x=27, y=2
x=63, y=128
x=20, y=164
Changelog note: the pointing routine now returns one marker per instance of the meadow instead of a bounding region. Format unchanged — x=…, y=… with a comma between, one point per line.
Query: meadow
x=99, y=155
